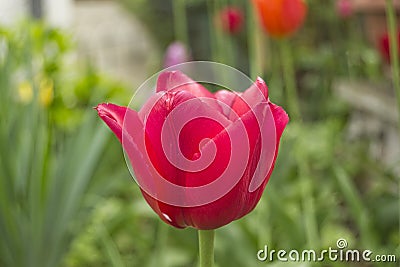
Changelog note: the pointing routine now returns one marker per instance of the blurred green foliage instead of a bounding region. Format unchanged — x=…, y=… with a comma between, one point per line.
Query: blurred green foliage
x=334, y=191
x=66, y=198
x=51, y=144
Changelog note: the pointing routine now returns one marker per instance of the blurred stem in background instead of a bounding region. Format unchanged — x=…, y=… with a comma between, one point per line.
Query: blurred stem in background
x=222, y=49
x=50, y=150
x=394, y=59
x=307, y=195
x=256, y=42
x=219, y=39
x=213, y=35
x=355, y=202
x=394, y=52
x=206, y=248
x=110, y=247
x=36, y=8
x=160, y=243
x=257, y=58
x=180, y=21
x=289, y=77
x=303, y=166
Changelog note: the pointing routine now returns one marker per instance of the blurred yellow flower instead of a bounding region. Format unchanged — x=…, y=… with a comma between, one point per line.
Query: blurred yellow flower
x=25, y=92
x=46, y=92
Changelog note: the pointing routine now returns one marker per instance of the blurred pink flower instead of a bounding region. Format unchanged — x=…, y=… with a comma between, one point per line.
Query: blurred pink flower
x=230, y=19
x=344, y=8
x=176, y=53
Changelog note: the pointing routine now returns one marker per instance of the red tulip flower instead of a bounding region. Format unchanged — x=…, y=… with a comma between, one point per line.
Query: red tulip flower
x=185, y=140
x=384, y=46
x=281, y=18
x=230, y=19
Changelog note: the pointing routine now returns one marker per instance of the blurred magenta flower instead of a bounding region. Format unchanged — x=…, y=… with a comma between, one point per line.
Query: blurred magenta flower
x=384, y=47
x=230, y=19
x=176, y=53
x=184, y=122
x=281, y=18
x=344, y=8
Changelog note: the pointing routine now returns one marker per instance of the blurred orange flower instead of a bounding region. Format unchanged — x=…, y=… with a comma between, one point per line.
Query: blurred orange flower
x=281, y=18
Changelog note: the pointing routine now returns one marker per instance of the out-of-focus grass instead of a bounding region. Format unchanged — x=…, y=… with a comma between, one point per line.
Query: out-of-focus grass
x=334, y=191
x=51, y=145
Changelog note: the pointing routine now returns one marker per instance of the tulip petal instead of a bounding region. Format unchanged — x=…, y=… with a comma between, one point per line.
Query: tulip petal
x=176, y=80
x=240, y=197
x=227, y=98
x=241, y=103
x=133, y=144
x=184, y=142
x=189, y=139
x=226, y=208
x=160, y=133
x=281, y=119
x=113, y=116
x=254, y=95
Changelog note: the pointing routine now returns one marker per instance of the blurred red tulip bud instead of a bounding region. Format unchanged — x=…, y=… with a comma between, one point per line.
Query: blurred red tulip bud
x=384, y=46
x=230, y=19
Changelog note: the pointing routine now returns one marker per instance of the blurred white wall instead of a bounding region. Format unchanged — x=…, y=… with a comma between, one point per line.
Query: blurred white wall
x=106, y=34
x=114, y=40
x=13, y=10
x=58, y=12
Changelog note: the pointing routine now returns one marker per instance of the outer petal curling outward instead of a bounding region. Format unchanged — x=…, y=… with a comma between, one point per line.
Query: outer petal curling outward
x=237, y=202
x=113, y=115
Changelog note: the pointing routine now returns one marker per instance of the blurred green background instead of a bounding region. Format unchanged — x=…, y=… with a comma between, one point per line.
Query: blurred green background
x=67, y=198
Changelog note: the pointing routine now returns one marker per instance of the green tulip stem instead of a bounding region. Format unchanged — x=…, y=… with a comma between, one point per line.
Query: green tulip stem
x=394, y=60
x=206, y=248
x=289, y=79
